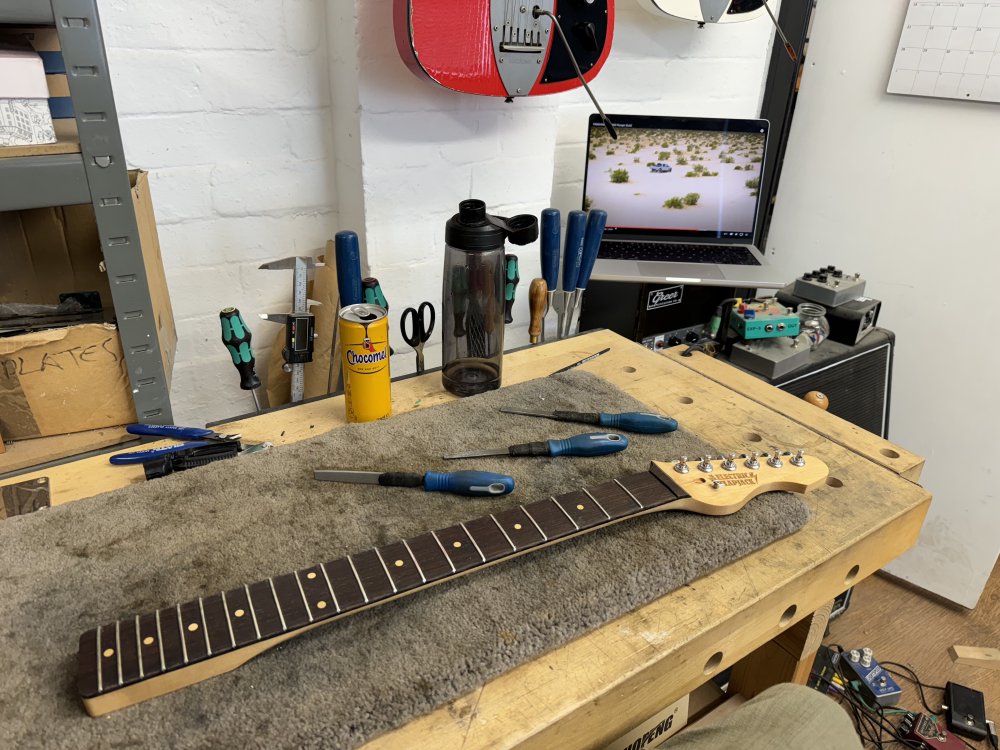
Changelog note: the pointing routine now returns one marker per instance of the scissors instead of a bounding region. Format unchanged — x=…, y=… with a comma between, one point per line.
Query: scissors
x=419, y=330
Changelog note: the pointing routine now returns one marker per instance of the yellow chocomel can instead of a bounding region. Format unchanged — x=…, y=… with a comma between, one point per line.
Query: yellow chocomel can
x=364, y=337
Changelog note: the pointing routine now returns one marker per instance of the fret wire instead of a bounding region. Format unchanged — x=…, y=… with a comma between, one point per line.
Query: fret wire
x=597, y=503
x=204, y=624
x=159, y=641
x=414, y=558
x=629, y=493
x=544, y=536
x=118, y=650
x=322, y=566
x=277, y=604
x=386, y=569
x=253, y=614
x=559, y=505
x=358, y=579
x=303, y=592
x=473, y=541
x=180, y=627
x=446, y=557
x=100, y=675
x=229, y=619
x=511, y=541
x=138, y=647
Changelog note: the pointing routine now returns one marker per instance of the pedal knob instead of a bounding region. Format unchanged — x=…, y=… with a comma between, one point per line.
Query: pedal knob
x=705, y=464
x=681, y=466
x=752, y=462
x=866, y=660
x=854, y=656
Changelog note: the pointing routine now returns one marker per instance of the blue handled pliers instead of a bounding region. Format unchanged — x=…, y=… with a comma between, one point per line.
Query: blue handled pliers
x=195, y=437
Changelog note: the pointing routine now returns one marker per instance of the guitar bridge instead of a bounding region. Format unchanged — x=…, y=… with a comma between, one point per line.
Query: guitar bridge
x=517, y=39
x=520, y=42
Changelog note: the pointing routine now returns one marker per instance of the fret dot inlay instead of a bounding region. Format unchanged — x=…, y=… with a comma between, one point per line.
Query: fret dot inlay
x=517, y=526
x=310, y=576
x=456, y=545
x=239, y=613
x=148, y=640
x=399, y=563
x=109, y=652
x=320, y=605
x=193, y=626
x=579, y=507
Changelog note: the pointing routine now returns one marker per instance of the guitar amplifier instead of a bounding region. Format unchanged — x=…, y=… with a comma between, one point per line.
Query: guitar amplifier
x=856, y=379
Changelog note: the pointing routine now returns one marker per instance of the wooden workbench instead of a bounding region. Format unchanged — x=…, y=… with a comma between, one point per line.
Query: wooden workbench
x=756, y=614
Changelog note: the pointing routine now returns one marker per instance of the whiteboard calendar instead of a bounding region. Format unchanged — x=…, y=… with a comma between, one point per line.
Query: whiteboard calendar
x=949, y=50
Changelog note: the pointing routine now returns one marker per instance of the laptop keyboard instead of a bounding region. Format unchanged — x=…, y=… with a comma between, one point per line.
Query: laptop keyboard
x=736, y=255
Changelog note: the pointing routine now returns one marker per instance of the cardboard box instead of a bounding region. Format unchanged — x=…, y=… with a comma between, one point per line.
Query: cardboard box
x=25, y=119
x=70, y=379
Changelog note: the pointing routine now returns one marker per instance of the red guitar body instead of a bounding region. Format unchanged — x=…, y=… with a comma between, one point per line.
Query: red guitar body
x=493, y=48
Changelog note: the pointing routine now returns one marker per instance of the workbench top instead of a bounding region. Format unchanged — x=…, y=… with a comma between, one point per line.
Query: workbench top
x=593, y=689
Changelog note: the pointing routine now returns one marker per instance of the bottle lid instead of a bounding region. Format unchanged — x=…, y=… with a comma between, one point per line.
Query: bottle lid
x=474, y=229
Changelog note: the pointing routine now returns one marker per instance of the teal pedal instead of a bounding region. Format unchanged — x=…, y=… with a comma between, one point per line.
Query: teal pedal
x=764, y=320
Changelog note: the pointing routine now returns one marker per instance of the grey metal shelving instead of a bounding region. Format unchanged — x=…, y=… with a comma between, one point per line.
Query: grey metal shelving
x=97, y=175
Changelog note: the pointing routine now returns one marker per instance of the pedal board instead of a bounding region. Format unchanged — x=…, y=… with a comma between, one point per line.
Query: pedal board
x=928, y=733
x=763, y=320
x=829, y=286
x=876, y=684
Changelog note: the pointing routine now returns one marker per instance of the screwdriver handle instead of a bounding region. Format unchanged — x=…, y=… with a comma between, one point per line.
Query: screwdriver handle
x=634, y=421
x=596, y=221
x=348, y=257
x=576, y=224
x=588, y=444
x=550, y=247
x=511, y=276
x=371, y=292
x=236, y=336
x=471, y=483
x=537, y=297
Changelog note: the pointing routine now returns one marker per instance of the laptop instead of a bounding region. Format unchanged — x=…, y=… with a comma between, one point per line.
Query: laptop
x=682, y=199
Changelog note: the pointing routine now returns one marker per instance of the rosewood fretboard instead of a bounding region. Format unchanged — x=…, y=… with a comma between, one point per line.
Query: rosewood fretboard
x=137, y=649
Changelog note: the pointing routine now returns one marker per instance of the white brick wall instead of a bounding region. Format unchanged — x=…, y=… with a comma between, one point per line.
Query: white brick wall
x=229, y=106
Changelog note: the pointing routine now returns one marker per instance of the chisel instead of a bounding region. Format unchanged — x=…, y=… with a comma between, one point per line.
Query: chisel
x=471, y=483
x=348, y=258
x=630, y=421
x=572, y=255
x=550, y=257
x=537, y=294
x=596, y=221
x=587, y=444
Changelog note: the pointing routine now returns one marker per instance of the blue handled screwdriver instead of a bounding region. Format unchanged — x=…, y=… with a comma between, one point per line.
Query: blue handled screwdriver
x=630, y=421
x=471, y=483
x=587, y=444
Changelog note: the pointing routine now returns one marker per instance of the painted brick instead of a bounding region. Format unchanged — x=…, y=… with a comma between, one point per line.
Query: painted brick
x=254, y=80
x=179, y=194
x=271, y=187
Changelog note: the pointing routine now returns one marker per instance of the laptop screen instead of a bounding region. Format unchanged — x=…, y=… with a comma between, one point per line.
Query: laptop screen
x=676, y=178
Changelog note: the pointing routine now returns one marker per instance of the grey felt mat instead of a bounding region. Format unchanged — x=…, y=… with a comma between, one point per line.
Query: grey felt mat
x=70, y=568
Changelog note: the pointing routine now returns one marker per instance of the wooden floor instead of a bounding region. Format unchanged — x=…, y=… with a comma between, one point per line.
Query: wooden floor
x=902, y=624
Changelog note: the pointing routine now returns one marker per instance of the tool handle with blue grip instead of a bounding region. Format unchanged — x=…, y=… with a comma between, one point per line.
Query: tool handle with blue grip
x=236, y=336
x=550, y=247
x=511, y=277
x=471, y=483
x=141, y=457
x=596, y=221
x=630, y=421
x=576, y=224
x=169, y=431
x=348, y=255
x=588, y=444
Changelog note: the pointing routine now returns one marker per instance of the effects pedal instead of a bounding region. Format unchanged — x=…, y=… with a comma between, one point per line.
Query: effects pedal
x=763, y=320
x=928, y=733
x=876, y=684
x=829, y=286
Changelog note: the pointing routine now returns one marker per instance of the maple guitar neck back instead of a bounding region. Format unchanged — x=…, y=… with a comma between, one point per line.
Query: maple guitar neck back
x=145, y=656
x=499, y=47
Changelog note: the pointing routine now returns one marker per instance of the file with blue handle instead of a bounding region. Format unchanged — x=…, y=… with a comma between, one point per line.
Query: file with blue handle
x=587, y=444
x=630, y=421
x=348, y=255
x=469, y=483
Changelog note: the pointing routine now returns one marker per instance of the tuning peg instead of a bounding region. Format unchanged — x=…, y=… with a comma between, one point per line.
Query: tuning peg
x=799, y=459
x=729, y=464
x=774, y=460
x=752, y=462
x=681, y=466
x=705, y=464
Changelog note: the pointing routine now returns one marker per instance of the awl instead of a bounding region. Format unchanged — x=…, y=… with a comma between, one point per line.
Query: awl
x=471, y=483
x=587, y=444
x=630, y=421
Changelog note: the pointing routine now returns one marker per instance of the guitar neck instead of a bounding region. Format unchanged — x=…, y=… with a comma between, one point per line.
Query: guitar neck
x=148, y=655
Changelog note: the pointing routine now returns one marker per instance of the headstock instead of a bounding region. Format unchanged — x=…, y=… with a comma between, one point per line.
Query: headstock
x=721, y=485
